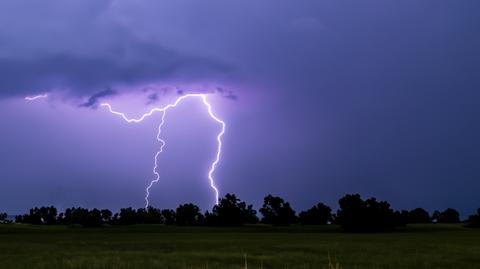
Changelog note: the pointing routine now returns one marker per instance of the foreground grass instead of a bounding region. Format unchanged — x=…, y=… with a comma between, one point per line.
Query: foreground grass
x=421, y=246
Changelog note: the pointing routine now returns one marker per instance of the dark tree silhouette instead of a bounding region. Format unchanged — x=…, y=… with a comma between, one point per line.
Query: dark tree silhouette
x=94, y=218
x=449, y=215
x=74, y=216
x=3, y=218
x=401, y=217
x=127, y=216
x=231, y=211
x=154, y=216
x=418, y=215
x=106, y=215
x=474, y=220
x=77, y=216
x=20, y=219
x=83, y=216
x=276, y=211
x=188, y=215
x=169, y=216
x=319, y=214
x=141, y=215
x=115, y=219
x=42, y=215
x=356, y=215
x=150, y=215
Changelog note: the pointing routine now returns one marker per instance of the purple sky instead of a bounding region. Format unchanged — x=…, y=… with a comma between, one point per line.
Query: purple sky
x=321, y=98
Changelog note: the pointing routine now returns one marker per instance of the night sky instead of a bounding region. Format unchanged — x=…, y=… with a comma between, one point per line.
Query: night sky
x=320, y=99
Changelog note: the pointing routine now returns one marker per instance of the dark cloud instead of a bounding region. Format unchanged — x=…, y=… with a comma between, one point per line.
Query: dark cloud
x=227, y=93
x=58, y=48
x=152, y=97
x=93, y=100
x=84, y=74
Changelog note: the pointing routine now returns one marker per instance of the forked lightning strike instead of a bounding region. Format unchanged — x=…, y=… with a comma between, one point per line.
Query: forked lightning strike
x=162, y=142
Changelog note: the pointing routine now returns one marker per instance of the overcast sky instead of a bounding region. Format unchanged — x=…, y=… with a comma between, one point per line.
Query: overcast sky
x=320, y=99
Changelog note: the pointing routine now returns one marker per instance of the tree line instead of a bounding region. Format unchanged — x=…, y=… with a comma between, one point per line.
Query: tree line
x=354, y=215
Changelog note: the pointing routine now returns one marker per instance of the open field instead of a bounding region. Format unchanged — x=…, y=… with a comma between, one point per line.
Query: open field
x=418, y=246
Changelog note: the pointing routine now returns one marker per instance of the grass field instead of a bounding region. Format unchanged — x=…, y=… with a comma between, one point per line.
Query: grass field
x=418, y=246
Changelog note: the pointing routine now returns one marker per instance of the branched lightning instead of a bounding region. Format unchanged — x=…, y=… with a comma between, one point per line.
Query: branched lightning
x=32, y=98
x=163, y=110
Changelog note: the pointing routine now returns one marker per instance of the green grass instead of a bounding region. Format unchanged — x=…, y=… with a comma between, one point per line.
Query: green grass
x=418, y=246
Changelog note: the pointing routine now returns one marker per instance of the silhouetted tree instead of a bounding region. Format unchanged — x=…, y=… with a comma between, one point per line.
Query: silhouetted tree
x=91, y=218
x=318, y=214
x=401, y=217
x=276, y=211
x=168, y=216
x=21, y=218
x=188, y=215
x=356, y=215
x=73, y=216
x=94, y=218
x=150, y=215
x=231, y=211
x=106, y=215
x=140, y=215
x=474, y=220
x=127, y=216
x=3, y=218
x=84, y=217
x=449, y=215
x=418, y=215
x=115, y=219
x=334, y=218
x=153, y=216
x=435, y=216
x=42, y=215
x=49, y=214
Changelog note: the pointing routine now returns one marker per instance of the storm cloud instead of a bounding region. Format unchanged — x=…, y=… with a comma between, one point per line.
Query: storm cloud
x=84, y=46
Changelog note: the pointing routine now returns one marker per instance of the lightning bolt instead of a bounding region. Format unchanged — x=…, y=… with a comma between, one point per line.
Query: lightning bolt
x=32, y=98
x=164, y=110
